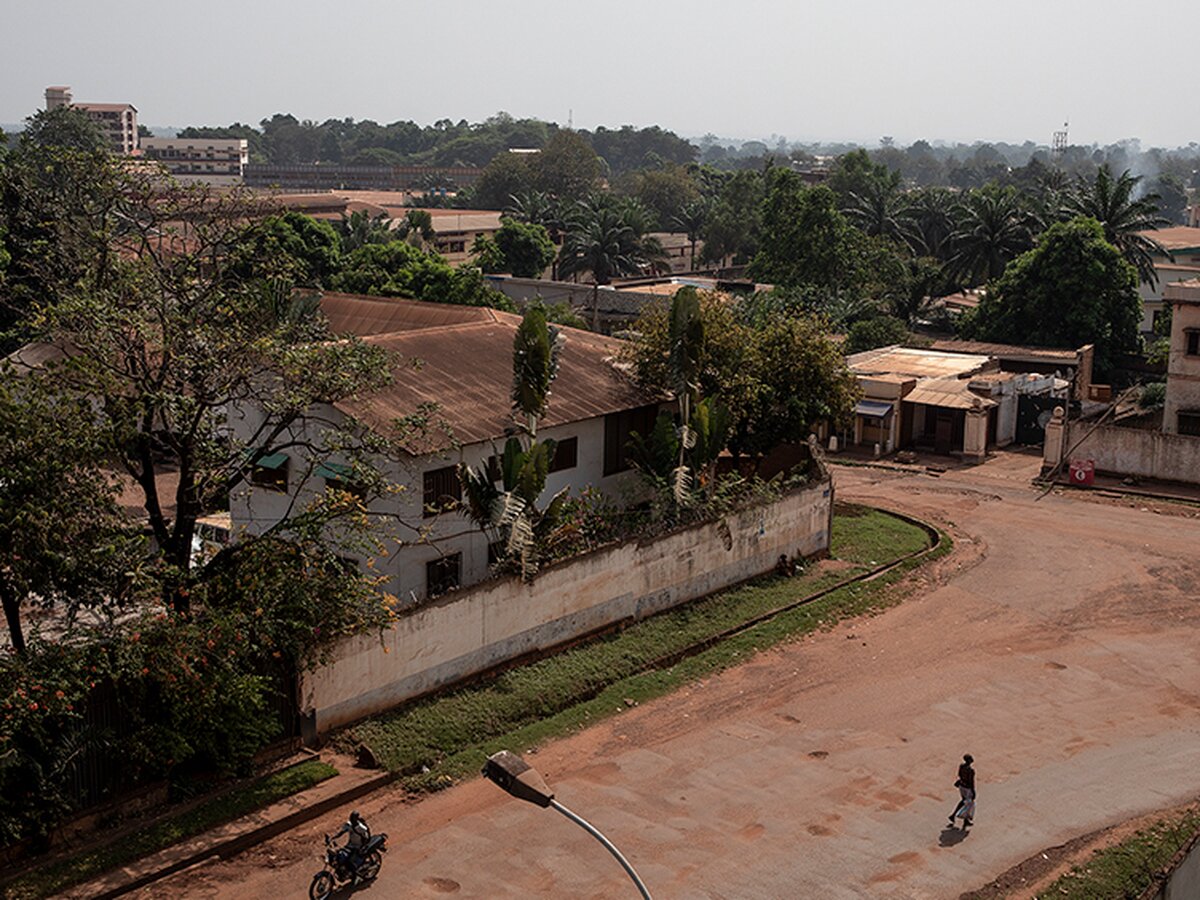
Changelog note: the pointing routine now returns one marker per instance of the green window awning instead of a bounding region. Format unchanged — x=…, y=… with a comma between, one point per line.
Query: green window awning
x=335, y=471
x=272, y=461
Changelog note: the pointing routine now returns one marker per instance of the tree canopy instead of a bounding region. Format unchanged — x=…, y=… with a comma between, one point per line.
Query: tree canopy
x=777, y=379
x=1073, y=288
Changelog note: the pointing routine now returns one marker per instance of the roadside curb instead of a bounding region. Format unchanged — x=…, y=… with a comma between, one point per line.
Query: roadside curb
x=1118, y=490
x=239, y=843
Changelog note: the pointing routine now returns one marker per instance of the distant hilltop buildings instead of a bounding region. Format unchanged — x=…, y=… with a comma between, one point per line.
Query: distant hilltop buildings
x=118, y=121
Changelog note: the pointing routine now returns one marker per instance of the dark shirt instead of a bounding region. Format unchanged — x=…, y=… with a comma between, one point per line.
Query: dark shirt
x=966, y=776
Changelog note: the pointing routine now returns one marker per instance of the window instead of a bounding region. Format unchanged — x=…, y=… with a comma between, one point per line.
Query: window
x=617, y=430
x=1189, y=423
x=271, y=472
x=442, y=490
x=443, y=574
x=1192, y=339
x=566, y=455
x=340, y=477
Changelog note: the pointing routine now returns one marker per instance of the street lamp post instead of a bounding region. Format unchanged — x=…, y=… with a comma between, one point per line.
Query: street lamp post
x=516, y=777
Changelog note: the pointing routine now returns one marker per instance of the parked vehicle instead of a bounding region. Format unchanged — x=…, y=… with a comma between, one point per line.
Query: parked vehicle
x=338, y=870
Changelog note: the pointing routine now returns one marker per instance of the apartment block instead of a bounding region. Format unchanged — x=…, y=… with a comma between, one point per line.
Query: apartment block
x=218, y=161
x=117, y=121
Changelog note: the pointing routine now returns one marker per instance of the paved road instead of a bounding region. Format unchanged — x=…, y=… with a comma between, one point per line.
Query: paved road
x=1060, y=645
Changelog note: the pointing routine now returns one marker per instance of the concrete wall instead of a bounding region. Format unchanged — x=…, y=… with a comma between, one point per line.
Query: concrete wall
x=1183, y=880
x=1134, y=451
x=468, y=632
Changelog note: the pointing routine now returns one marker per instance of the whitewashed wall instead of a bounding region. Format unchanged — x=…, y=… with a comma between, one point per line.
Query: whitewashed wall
x=471, y=631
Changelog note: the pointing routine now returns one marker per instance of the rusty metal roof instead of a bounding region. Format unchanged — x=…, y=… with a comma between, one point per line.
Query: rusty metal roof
x=948, y=393
x=1009, y=351
x=1177, y=237
x=465, y=368
x=918, y=363
x=356, y=314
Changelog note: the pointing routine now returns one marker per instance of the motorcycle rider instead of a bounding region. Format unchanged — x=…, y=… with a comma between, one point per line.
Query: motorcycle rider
x=358, y=834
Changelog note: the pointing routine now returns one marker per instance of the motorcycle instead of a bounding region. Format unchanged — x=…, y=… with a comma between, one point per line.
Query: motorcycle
x=338, y=870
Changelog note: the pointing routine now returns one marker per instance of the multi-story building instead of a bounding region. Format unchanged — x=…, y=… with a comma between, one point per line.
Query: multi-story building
x=1181, y=407
x=117, y=121
x=1182, y=242
x=464, y=376
x=219, y=161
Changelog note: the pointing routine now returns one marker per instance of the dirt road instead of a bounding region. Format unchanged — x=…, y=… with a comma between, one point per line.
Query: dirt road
x=1060, y=644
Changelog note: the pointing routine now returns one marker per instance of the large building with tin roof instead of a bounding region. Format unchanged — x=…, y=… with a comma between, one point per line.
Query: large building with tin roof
x=449, y=402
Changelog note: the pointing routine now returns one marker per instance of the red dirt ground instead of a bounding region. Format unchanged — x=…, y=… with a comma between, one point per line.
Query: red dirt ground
x=1060, y=644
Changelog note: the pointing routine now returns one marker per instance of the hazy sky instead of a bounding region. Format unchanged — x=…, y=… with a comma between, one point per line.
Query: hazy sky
x=816, y=70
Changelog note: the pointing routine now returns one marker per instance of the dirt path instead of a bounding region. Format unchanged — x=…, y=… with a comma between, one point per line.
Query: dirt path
x=1060, y=645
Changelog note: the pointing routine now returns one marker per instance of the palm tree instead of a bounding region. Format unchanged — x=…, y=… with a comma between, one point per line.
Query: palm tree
x=691, y=221
x=1111, y=203
x=993, y=228
x=359, y=229
x=931, y=214
x=416, y=228
x=600, y=241
x=539, y=208
x=879, y=210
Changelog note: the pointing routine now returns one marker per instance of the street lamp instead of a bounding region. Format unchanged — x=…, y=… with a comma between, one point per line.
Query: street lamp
x=515, y=776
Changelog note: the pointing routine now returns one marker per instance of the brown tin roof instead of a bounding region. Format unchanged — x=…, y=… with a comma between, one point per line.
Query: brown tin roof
x=464, y=366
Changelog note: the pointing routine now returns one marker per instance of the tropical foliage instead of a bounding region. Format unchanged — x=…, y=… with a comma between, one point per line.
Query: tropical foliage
x=503, y=501
x=1074, y=288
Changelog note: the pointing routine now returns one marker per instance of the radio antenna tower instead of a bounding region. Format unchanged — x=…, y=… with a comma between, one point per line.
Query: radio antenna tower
x=1059, y=147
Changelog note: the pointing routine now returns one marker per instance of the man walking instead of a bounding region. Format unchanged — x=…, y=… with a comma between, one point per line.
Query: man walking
x=966, y=789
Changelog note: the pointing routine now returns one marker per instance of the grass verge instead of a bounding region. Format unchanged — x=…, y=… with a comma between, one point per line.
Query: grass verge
x=1128, y=868
x=49, y=879
x=435, y=741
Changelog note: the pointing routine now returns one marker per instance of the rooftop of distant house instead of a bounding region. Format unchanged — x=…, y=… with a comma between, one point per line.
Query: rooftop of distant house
x=1183, y=291
x=1012, y=352
x=916, y=363
x=460, y=358
x=1177, y=237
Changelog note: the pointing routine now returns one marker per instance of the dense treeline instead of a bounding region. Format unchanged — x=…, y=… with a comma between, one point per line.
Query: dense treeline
x=284, y=139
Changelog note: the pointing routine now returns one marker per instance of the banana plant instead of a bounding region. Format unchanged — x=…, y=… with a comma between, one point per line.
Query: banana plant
x=508, y=512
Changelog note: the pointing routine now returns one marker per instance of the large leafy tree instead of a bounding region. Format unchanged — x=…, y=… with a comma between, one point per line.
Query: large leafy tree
x=398, y=269
x=808, y=243
x=733, y=226
x=666, y=192
x=1115, y=204
x=525, y=248
x=777, y=376
x=58, y=218
x=171, y=344
x=856, y=174
x=63, y=539
x=290, y=245
x=992, y=227
x=1074, y=288
x=65, y=128
x=567, y=167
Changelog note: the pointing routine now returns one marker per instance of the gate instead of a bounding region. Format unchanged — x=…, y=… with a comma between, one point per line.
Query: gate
x=1033, y=412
